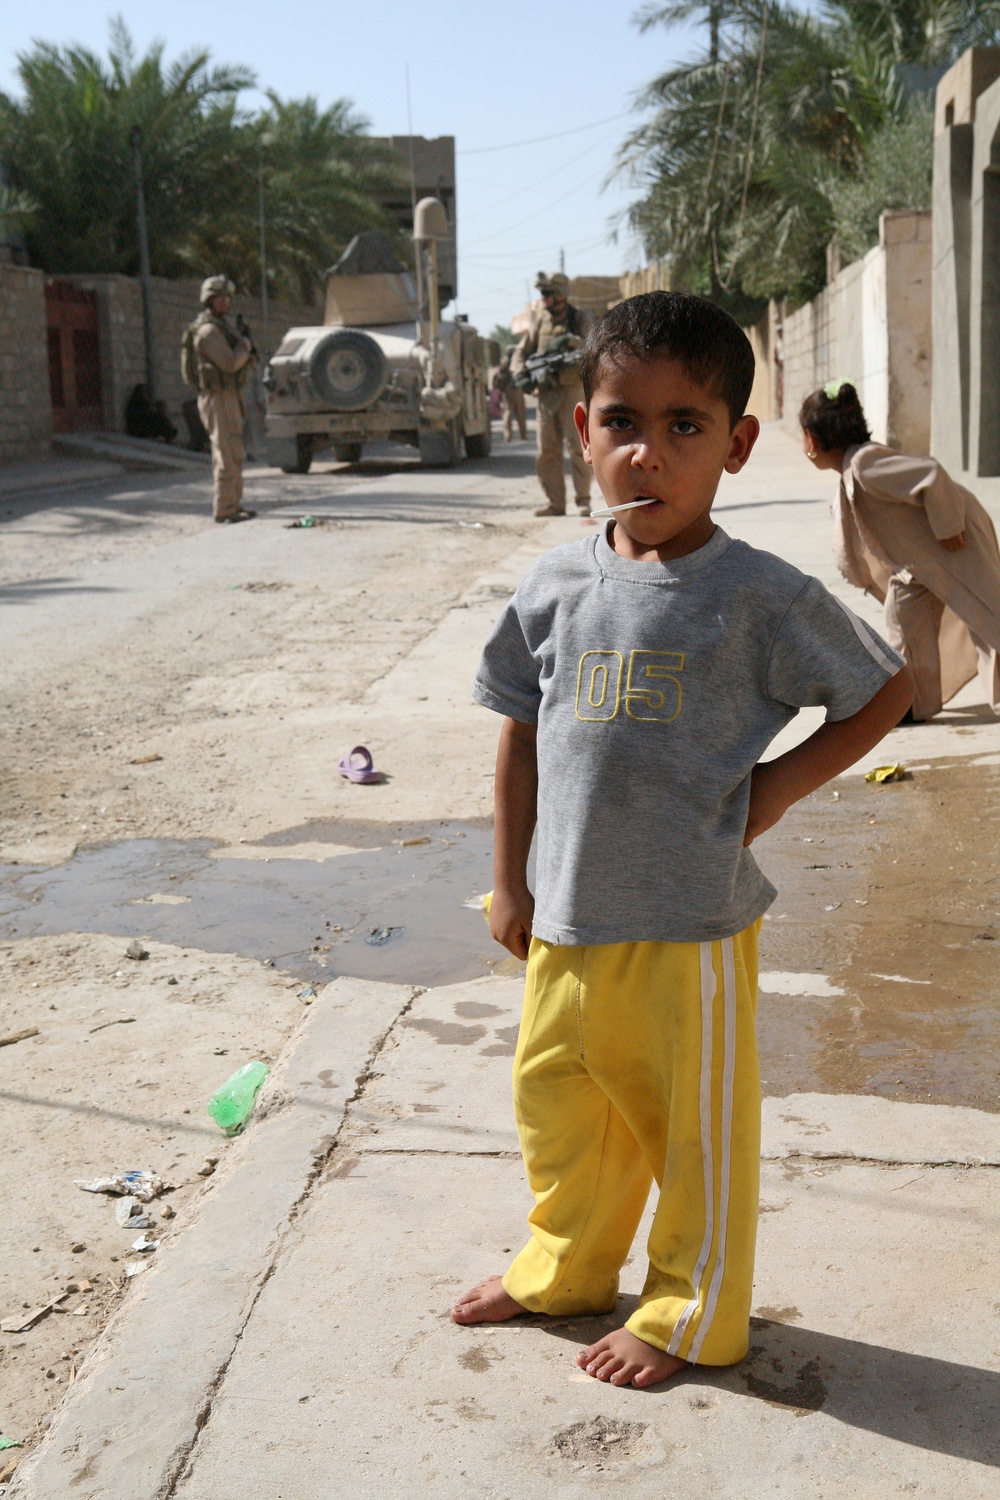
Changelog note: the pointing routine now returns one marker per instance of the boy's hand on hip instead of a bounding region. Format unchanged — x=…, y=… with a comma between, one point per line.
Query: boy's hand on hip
x=768, y=802
x=510, y=919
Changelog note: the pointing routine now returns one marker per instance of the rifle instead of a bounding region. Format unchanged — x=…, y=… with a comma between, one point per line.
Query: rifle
x=541, y=371
x=243, y=329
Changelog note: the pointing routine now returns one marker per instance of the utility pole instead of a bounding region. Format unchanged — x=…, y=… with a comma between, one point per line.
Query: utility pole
x=264, y=311
x=147, y=285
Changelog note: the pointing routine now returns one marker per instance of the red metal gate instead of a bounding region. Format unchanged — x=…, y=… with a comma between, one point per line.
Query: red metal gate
x=74, y=357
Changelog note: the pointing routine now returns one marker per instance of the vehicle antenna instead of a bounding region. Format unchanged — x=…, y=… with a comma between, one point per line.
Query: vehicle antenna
x=413, y=193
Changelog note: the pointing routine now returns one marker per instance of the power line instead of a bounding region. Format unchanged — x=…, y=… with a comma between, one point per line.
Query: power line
x=536, y=182
x=552, y=203
x=536, y=140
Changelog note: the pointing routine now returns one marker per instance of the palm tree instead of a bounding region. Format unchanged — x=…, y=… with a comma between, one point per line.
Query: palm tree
x=66, y=144
x=324, y=179
x=926, y=32
x=743, y=160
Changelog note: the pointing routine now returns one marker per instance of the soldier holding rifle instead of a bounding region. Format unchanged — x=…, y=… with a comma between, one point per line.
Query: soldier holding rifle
x=217, y=359
x=545, y=361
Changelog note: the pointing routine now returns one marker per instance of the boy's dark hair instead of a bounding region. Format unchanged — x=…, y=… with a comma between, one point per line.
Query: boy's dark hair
x=834, y=421
x=710, y=344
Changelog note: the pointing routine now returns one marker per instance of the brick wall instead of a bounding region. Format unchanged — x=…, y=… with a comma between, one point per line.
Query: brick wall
x=806, y=339
x=25, y=408
x=175, y=304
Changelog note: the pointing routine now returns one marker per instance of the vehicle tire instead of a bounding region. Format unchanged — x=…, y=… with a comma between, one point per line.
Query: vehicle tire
x=479, y=444
x=347, y=453
x=441, y=446
x=303, y=456
x=347, y=370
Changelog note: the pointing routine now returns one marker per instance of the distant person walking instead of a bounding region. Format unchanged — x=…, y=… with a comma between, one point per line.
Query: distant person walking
x=922, y=544
x=557, y=328
x=218, y=360
x=514, y=405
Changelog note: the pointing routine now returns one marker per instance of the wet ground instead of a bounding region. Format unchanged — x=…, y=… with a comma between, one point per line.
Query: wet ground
x=903, y=922
x=880, y=959
x=393, y=911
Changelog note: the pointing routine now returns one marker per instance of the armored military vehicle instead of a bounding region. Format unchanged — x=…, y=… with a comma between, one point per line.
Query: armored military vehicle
x=383, y=365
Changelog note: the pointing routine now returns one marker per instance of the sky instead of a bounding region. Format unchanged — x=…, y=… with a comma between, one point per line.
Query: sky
x=489, y=75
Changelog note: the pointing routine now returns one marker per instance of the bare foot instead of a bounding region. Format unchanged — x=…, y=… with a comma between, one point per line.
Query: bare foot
x=486, y=1303
x=623, y=1359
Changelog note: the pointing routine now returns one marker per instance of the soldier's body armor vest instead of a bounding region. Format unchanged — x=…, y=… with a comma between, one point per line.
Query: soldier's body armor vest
x=550, y=328
x=206, y=375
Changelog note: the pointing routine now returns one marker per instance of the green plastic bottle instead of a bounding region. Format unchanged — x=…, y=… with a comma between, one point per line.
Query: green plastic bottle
x=232, y=1105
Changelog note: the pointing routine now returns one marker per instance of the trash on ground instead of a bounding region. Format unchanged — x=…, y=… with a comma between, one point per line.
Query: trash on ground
x=232, y=1104
x=145, y=1186
x=379, y=936
x=129, y=1214
x=896, y=772
x=365, y=773
x=472, y=525
x=6, y=1442
x=308, y=993
x=306, y=523
x=19, y=1036
x=145, y=760
x=136, y=1268
x=142, y=1244
x=479, y=903
x=27, y=1320
x=118, y=1020
x=409, y=843
x=136, y=950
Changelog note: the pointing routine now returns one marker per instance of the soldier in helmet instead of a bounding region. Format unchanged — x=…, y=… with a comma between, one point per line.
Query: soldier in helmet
x=558, y=325
x=218, y=359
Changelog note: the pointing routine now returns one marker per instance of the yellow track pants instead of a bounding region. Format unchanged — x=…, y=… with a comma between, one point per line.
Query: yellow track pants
x=635, y=1063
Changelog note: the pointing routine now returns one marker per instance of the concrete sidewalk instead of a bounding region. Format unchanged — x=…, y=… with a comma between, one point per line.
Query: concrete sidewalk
x=293, y=1343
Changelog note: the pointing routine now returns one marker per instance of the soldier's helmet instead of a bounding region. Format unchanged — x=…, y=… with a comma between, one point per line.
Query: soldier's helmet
x=215, y=286
x=557, y=282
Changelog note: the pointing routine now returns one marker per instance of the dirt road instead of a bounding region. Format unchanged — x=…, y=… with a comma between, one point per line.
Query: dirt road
x=177, y=696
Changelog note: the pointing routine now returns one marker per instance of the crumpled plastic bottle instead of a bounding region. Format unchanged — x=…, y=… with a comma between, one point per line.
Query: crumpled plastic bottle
x=232, y=1105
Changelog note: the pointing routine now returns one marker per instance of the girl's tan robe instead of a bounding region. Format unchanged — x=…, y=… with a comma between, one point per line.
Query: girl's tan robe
x=942, y=609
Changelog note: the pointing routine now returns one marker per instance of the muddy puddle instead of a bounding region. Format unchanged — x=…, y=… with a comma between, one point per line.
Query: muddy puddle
x=880, y=959
x=889, y=894
x=393, y=912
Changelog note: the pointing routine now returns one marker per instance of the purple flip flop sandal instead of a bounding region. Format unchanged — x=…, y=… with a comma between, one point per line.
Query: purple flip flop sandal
x=365, y=772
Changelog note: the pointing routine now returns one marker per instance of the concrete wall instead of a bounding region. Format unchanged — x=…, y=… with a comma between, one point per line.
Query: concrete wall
x=25, y=407
x=952, y=257
x=906, y=239
x=765, y=337
x=175, y=304
x=984, y=289
x=872, y=325
x=966, y=287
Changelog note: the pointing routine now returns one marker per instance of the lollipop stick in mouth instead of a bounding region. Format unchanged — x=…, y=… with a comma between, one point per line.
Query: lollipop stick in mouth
x=609, y=510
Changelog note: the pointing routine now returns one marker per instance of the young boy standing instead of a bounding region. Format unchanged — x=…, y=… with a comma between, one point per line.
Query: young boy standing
x=641, y=672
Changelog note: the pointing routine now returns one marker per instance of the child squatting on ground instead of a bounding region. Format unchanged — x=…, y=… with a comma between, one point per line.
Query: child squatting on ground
x=642, y=671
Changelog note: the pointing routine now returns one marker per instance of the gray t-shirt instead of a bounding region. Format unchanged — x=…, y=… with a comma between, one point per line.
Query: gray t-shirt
x=656, y=687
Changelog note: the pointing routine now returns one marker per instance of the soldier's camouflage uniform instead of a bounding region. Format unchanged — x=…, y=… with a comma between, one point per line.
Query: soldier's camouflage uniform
x=555, y=408
x=223, y=358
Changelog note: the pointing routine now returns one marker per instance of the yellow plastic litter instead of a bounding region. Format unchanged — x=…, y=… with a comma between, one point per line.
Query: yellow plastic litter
x=895, y=772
